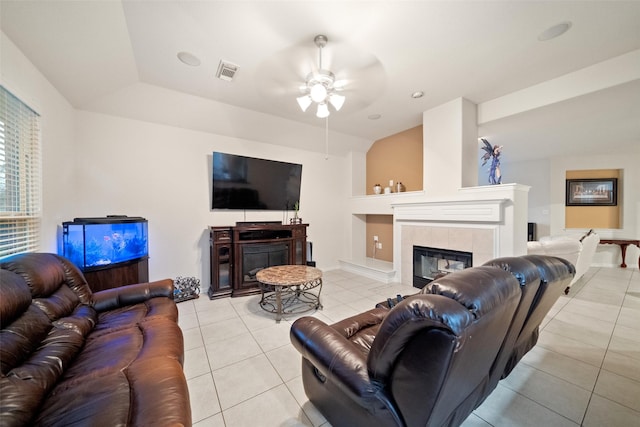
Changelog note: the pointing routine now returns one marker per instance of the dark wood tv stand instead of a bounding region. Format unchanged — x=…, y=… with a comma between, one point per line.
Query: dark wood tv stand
x=239, y=252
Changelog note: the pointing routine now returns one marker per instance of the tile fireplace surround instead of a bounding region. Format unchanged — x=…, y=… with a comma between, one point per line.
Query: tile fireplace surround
x=480, y=242
x=488, y=221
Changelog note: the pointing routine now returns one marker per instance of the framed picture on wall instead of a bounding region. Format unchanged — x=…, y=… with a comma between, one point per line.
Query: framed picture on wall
x=592, y=192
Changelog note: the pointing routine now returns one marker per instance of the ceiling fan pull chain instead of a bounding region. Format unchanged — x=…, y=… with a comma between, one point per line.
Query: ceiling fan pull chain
x=326, y=139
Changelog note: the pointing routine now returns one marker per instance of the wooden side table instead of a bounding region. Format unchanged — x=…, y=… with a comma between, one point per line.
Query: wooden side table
x=286, y=289
x=623, y=243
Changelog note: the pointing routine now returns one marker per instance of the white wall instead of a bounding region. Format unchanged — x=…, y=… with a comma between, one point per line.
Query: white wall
x=20, y=77
x=163, y=173
x=547, y=198
x=97, y=164
x=449, y=136
x=628, y=198
x=536, y=174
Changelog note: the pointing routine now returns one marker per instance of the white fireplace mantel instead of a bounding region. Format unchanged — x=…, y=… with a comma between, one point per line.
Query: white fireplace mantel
x=452, y=211
x=493, y=218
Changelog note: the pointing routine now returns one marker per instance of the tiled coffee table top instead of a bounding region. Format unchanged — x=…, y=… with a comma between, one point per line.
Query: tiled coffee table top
x=288, y=275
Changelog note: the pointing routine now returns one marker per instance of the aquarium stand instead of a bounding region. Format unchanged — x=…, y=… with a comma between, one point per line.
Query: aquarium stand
x=114, y=276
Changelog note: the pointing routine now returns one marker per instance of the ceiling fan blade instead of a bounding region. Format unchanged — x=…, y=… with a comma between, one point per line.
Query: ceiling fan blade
x=360, y=76
x=286, y=69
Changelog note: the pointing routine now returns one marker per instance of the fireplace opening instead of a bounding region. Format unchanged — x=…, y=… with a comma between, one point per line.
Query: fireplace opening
x=432, y=263
x=257, y=257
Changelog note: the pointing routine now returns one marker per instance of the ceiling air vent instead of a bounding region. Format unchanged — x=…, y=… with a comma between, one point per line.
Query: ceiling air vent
x=226, y=71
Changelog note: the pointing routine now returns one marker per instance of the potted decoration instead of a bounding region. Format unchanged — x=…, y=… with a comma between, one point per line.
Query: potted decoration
x=296, y=219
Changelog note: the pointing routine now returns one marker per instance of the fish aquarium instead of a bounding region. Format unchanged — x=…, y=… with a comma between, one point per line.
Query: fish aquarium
x=94, y=243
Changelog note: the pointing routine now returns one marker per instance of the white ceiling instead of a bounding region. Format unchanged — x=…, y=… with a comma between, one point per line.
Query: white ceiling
x=479, y=50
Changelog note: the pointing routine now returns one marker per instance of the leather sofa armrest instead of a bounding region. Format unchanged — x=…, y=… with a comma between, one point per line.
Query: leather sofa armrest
x=335, y=357
x=352, y=325
x=110, y=299
x=392, y=302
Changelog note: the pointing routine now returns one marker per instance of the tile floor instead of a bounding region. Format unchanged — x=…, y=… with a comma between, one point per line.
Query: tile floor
x=585, y=370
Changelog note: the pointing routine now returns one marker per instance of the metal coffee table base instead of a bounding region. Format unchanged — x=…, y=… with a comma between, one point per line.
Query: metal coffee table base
x=283, y=300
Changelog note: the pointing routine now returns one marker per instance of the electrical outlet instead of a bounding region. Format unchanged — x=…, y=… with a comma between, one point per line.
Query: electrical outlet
x=375, y=238
x=379, y=245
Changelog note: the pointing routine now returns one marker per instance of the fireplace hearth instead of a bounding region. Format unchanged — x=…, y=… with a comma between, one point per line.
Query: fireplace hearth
x=432, y=263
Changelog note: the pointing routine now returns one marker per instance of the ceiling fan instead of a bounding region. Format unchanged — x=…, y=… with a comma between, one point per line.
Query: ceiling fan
x=341, y=68
x=320, y=86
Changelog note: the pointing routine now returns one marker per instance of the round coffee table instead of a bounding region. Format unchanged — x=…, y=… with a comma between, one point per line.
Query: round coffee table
x=286, y=289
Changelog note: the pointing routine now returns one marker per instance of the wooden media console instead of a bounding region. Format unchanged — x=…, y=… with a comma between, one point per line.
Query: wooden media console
x=239, y=252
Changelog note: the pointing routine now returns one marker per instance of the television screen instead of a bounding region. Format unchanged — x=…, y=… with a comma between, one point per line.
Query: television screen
x=241, y=182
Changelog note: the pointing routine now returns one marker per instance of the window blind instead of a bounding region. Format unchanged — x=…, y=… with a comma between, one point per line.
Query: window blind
x=20, y=177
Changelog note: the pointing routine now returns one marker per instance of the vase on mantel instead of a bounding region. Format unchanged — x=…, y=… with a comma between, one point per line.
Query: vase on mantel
x=377, y=189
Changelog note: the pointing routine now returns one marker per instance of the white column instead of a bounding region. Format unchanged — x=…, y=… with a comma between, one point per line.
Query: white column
x=450, y=151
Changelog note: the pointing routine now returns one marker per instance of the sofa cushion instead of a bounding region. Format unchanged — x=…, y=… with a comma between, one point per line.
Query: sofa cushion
x=468, y=287
x=589, y=246
x=408, y=318
x=361, y=329
x=561, y=246
x=38, y=341
x=120, y=360
x=555, y=274
x=45, y=273
x=578, y=249
x=16, y=297
x=527, y=274
x=124, y=317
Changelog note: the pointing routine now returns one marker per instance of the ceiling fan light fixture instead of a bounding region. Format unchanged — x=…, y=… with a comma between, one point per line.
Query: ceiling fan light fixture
x=319, y=87
x=323, y=111
x=336, y=100
x=318, y=92
x=304, y=102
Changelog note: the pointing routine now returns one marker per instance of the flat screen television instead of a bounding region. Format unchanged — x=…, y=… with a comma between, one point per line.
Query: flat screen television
x=241, y=182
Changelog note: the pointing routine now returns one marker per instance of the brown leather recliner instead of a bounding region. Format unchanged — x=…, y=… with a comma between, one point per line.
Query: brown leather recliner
x=526, y=272
x=528, y=277
x=555, y=275
x=425, y=362
x=70, y=357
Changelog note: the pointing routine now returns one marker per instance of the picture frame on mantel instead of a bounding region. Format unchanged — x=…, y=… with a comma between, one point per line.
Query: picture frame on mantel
x=592, y=192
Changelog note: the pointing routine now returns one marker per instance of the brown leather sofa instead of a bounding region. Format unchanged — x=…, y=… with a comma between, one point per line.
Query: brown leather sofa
x=554, y=273
x=434, y=357
x=70, y=357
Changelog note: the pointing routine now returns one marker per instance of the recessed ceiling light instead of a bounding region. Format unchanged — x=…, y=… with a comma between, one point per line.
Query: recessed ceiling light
x=555, y=31
x=189, y=59
x=374, y=116
x=417, y=94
